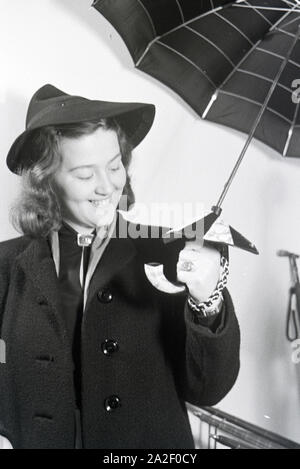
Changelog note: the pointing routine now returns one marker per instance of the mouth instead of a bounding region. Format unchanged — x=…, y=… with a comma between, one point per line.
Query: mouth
x=100, y=203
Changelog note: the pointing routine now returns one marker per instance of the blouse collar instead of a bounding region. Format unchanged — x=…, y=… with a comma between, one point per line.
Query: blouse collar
x=101, y=239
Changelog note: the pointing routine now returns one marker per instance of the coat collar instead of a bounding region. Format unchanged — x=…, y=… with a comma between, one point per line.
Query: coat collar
x=38, y=264
x=118, y=253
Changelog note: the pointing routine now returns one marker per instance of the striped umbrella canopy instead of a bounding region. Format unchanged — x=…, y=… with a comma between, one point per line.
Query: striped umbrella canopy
x=221, y=57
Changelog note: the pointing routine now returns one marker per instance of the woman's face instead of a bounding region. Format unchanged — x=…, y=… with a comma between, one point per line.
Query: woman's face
x=90, y=180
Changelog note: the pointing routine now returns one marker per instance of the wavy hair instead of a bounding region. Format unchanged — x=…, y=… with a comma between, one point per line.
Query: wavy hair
x=37, y=211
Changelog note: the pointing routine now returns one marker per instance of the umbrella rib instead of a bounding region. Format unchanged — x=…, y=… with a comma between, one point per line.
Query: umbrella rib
x=284, y=32
x=138, y=63
x=157, y=38
x=149, y=17
x=212, y=44
x=215, y=94
x=294, y=10
x=294, y=63
x=292, y=4
x=257, y=75
x=260, y=49
x=254, y=7
x=252, y=101
x=180, y=11
x=207, y=13
x=235, y=27
x=269, y=52
x=188, y=60
x=288, y=2
x=277, y=55
x=266, y=8
x=291, y=131
x=290, y=22
x=266, y=19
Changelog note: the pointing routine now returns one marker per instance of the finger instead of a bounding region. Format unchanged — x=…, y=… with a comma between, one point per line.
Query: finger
x=194, y=246
x=183, y=276
x=205, y=257
x=189, y=255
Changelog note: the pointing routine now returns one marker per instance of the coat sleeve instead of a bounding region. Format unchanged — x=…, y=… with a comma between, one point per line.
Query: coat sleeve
x=4, y=281
x=3, y=289
x=205, y=363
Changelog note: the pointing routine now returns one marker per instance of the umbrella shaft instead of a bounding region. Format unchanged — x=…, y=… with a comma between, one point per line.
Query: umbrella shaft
x=257, y=122
x=294, y=270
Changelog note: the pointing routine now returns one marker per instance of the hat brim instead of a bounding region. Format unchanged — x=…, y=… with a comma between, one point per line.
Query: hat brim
x=135, y=119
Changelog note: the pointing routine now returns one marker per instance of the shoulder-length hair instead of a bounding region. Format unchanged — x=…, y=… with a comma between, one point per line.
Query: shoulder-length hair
x=37, y=211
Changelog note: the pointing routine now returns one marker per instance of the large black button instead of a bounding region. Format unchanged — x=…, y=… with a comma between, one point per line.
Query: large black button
x=42, y=300
x=109, y=347
x=105, y=296
x=112, y=403
x=45, y=359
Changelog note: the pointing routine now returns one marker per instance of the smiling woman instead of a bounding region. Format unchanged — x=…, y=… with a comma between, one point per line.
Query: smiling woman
x=59, y=183
x=97, y=358
x=91, y=191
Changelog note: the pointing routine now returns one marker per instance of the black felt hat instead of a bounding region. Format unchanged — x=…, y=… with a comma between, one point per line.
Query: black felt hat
x=51, y=106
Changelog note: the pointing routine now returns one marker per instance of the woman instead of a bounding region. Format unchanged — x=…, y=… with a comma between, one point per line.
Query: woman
x=96, y=357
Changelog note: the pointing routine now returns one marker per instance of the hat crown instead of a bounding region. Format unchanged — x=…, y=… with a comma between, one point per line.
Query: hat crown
x=51, y=106
x=43, y=98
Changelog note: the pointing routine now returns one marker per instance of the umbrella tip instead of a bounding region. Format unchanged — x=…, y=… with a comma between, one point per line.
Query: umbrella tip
x=217, y=210
x=254, y=249
x=94, y=3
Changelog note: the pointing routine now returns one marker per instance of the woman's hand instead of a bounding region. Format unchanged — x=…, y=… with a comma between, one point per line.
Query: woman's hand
x=199, y=268
x=4, y=443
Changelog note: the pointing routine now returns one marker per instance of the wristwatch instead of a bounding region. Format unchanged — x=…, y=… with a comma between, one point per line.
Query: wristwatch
x=206, y=309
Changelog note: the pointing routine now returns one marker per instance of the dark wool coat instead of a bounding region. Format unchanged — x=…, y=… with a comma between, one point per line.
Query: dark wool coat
x=134, y=387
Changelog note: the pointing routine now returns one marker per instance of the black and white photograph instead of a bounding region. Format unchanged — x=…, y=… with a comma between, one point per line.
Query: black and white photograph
x=150, y=227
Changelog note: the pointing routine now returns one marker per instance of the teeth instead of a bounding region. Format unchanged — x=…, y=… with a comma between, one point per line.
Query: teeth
x=100, y=203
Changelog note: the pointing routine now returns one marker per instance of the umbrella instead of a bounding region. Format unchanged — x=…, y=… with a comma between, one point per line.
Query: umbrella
x=235, y=63
x=220, y=57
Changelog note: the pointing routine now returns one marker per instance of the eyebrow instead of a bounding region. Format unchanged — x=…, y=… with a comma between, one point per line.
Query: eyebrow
x=91, y=165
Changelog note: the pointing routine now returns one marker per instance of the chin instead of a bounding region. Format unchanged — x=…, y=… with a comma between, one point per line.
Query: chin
x=106, y=220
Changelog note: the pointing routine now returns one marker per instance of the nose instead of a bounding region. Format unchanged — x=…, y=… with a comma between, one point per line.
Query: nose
x=104, y=185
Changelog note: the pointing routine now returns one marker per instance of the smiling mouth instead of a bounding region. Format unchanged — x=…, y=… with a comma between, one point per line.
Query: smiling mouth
x=100, y=203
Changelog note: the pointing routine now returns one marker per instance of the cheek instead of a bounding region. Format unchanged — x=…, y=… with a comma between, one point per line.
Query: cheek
x=121, y=178
x=79, y=191
x=72, y=191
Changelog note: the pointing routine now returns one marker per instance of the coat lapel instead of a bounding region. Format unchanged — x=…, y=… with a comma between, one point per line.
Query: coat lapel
x=38, y=264
x=118, y=253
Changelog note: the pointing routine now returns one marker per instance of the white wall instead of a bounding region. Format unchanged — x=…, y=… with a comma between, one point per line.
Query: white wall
x=68, y=44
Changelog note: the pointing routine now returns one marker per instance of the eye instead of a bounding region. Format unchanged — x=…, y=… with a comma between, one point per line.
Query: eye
x=84, y=176
x=116, y=168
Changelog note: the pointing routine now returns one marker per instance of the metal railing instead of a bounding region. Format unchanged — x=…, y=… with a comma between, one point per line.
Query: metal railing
x=219, y=430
